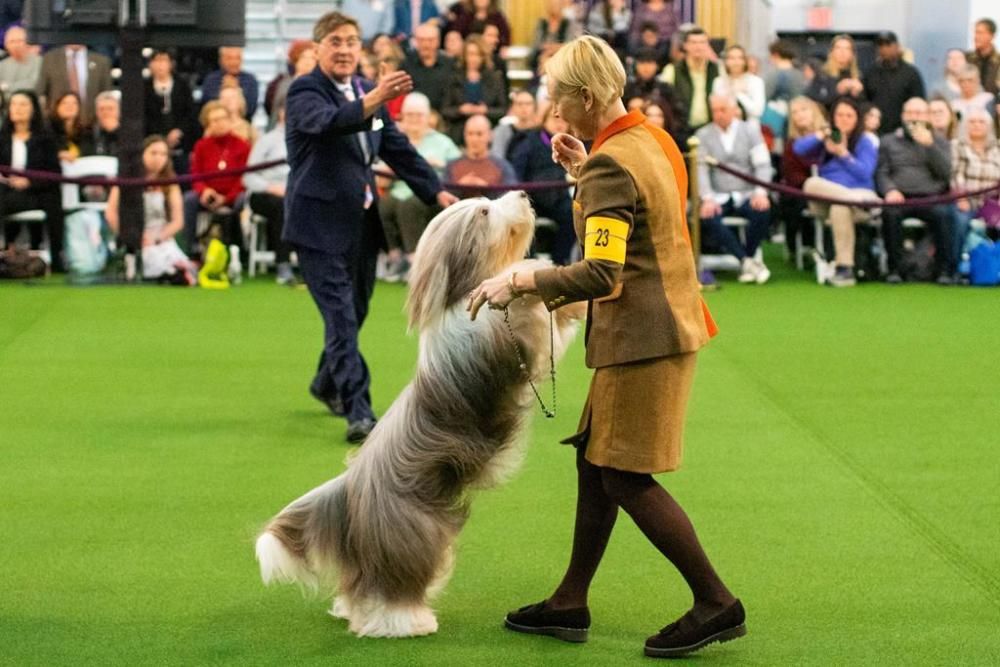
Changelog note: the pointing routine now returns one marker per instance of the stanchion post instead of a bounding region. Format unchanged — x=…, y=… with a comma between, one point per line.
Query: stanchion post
x=694, y=210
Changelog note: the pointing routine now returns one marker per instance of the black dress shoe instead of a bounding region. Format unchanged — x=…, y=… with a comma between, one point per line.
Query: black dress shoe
x=333, y=404
x=687, y=635
x=569, y=625
x=357, y=431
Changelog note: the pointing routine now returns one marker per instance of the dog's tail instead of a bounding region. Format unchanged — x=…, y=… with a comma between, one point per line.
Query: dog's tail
x=302, y=544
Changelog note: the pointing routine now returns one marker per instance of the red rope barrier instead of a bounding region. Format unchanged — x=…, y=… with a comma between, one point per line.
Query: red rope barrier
x=53, y=177
x=788, y=190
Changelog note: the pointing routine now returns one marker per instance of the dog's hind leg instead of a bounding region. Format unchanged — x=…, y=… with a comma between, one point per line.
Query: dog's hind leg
x=443, y=574
x=341, y=608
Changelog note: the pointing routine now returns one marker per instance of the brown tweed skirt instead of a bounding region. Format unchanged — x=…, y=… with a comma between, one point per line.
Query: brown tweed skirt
x=633, y=419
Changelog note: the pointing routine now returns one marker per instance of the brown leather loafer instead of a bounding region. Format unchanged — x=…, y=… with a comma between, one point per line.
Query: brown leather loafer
x=686, y=635
x=569, y=625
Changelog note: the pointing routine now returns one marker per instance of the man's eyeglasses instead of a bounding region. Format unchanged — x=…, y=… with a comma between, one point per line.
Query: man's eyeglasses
x=351, y=42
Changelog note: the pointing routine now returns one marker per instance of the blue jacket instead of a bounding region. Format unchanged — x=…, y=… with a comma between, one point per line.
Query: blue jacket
x=248, y=83
x=856, y=170
x=404, y=23
x=325, y=198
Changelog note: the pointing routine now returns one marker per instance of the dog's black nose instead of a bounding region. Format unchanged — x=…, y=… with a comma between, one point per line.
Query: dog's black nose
x=524, y=195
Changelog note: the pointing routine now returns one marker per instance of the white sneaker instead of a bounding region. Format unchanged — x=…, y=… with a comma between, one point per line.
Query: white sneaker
x=235, y=266
x=748, y=270
x=763, y=273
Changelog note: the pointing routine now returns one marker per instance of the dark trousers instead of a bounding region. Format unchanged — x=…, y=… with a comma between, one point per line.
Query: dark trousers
x=559, y=210
x=272, y=207
x=341, y=284
x=232, y=233
x=716, y=235
x=938, y=219
x=17, y=201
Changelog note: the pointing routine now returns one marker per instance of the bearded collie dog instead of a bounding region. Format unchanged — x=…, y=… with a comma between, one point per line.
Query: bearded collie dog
x=380, y=536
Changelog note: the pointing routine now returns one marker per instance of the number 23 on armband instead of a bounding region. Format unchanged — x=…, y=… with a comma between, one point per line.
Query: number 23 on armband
x=605, y=239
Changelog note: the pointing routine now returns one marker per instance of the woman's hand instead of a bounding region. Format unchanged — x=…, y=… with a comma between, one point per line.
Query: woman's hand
x=19, y=182
x=497, y=292
x=569, y=153
x=963, y=205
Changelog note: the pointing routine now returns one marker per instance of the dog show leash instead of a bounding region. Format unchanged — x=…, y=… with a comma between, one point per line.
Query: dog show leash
x=523, y=365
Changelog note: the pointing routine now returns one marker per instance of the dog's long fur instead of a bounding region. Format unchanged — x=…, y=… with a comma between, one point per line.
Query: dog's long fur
x=382, y=533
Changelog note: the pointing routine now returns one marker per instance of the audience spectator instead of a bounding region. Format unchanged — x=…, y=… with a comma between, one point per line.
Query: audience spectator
x=975, y=164
x=532, y=161
x=404, y=215
x=984, y=56
x=105, y=132
x=73, y=68
x=230, y=74
x=805, y=117
x=384, y=45
x=25, y=145
x=873, y=122
x=839, y=76
x=650, y=40
x=163, y=218
x=266, y=191
x=474, y=89
x=170, y=110
x=693, y=77
x=71, y=138
x=20, y=69
x=469, y=17
x=740, y=145
x=408, y=14
x=847, y=160
x=610, y=20
x=658, y=12
x=970, y=93
x=891, y=81
x=232, y=100
x=491, y=40
x=477, y=167
x=373, y=17
x=508, y=135
x=783, y=81
x=218, y=150
x=387, y=64
x=301, y=60
x=953, y=64
x=944, y=121
x=915, y=163
x=553, y=30
x=429, y=68
x=644, y=84
x=453, y=44
x=735, y=80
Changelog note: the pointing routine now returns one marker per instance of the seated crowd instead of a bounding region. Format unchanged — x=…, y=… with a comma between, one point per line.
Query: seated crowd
x=824, y=126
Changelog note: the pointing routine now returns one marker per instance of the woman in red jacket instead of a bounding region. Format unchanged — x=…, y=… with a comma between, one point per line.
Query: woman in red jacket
x=218, y=150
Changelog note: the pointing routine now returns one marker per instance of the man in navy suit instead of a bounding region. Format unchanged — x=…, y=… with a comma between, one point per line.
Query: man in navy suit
x=336, y=125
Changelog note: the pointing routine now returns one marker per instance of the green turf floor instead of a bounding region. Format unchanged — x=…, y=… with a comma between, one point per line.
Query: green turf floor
x=841, y=468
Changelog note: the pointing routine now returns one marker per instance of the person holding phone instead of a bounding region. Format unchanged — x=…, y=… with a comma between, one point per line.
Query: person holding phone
x=915, y=163
x=847, y=159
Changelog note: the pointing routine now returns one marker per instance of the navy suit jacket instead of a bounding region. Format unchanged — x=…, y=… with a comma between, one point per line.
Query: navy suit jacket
x=325, y=197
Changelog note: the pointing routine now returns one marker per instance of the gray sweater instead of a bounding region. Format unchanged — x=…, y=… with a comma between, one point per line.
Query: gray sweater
x=269, y=147
x=914, y=170
x=749, y=155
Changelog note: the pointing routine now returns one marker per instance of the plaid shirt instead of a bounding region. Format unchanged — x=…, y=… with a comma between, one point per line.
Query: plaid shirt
x=972, y=171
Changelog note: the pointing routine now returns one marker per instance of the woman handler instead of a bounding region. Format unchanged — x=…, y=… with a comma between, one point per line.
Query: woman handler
x=646, y=322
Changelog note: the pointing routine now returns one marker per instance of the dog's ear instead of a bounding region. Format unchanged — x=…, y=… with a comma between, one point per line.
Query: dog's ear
x=428, y=293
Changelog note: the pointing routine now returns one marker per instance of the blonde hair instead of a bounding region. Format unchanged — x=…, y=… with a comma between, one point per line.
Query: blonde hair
x=589, y=63
x=818, y=117
x=831, y=67
x=210, y=107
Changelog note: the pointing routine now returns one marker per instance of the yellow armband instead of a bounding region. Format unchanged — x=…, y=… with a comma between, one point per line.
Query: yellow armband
x=605, y=239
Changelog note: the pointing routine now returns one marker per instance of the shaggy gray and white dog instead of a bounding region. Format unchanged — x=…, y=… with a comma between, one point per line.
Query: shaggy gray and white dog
x=382, y=533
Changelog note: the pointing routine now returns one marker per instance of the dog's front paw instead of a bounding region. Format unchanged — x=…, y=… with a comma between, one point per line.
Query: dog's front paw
x=340, y=609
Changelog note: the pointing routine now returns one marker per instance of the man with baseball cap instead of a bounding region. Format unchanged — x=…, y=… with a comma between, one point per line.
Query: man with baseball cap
x=891, y=81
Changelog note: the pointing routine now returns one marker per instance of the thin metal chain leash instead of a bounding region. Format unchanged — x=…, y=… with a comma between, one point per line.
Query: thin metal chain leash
x=549, y=414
